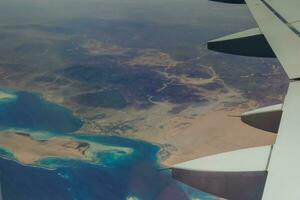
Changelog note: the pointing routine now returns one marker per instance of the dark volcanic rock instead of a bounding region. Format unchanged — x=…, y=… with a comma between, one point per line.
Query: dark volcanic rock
x=122, y=85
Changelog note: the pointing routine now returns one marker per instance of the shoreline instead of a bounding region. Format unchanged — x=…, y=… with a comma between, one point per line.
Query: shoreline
x=202, y=137
x=190, y=136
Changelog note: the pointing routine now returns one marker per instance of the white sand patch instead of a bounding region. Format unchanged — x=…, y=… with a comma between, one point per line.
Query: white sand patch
x=5, y=96
x=116, y=151
x=132, y=198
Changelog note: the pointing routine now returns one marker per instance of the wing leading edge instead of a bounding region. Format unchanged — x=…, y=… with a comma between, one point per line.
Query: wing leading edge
x=274, y=172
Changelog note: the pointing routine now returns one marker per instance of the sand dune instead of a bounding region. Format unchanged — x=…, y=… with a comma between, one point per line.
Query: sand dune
x=214, y=131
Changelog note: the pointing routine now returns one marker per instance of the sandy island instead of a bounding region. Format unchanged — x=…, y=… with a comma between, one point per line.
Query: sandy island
x=28, y=150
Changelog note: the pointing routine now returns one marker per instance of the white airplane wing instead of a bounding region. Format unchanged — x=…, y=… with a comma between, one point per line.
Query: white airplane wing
x=268, y=173
x=279, y=21
x=234, y=175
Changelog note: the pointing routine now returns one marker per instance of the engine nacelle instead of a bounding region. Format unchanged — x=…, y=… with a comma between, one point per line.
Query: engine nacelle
x=246, y=43
x=266, y=118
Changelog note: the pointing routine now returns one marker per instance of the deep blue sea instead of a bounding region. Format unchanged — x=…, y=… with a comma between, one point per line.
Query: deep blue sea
x=113, y=176
x=30, y=111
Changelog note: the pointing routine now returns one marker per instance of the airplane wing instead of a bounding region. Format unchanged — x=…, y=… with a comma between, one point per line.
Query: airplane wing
x=268, y=173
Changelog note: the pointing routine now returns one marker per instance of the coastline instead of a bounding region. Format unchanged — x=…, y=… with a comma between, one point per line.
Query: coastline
x=197, y=132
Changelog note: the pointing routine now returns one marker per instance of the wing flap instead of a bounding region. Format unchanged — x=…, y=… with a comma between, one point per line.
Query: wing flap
x=288, y=9
x=229, y=185
x=230, y=1
x=282, y=38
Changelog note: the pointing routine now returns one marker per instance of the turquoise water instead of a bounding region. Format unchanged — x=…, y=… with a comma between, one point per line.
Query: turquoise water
x=6, y=153
x=126, y=170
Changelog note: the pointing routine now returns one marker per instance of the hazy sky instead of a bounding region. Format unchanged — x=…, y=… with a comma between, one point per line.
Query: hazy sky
x=195, y=12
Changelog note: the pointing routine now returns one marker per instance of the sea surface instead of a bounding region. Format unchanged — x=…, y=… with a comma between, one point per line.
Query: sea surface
x=30, y=111
x=114, y=175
